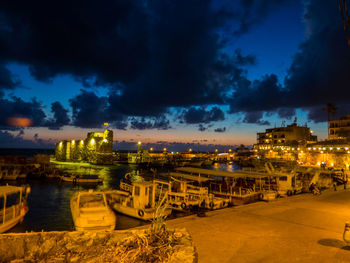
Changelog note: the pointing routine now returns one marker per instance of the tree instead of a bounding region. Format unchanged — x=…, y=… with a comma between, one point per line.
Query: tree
x=345, y=17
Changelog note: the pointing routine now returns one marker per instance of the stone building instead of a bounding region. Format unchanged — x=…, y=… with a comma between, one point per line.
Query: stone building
x=339, y=129
x=97, y=148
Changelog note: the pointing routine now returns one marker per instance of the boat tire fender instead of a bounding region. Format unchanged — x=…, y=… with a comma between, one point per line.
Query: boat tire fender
x=183, y=206
x=141, y=213
x=211, y=205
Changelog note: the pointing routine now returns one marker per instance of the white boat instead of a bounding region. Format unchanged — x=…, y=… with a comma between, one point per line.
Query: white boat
x=13, y=208
x=11, y=174
x=90, y=211
x=79, y=179
x=137, y=199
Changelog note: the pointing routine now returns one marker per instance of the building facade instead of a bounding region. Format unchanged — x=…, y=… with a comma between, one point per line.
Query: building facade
x=339, y=129
x=97, y=148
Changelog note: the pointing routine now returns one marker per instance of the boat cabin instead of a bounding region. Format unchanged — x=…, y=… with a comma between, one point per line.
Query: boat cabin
x=12, y=206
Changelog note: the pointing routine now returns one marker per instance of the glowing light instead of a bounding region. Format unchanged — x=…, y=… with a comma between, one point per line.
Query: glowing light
x=348, y=151
x=331, y=148
x=73, y=142
x=338, y=148
x=229, y=150
x=151, y=149
x=92, y=142
x=60, y=144
x=216, y=150
x=164, y=149
x=309, y=149
x=190, y=150
x=321, y=151
x=81, y=142
x=106, y=124
x=19, y=122
x=346, y=148
x=318, y=163
x=314, y=148
x=332, y=164
x=105, y=140
x=323, y=148
x=312, y=131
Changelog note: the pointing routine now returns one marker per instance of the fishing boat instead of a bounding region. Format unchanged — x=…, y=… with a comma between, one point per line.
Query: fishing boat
x=137, y=199
x=90, y=211
x=79, y=179
x=13, y=200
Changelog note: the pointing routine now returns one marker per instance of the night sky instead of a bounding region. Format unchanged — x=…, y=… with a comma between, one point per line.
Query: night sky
x=176, y=74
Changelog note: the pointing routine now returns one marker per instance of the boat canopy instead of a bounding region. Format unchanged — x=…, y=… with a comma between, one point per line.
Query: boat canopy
x=236, y=174
x=190, y=177
x=8, y=189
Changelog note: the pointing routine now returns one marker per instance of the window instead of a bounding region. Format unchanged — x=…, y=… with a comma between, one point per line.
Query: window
x=137, y=190
x=283, y=178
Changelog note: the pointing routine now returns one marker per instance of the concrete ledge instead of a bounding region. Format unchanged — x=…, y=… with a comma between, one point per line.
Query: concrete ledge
x=80, y=246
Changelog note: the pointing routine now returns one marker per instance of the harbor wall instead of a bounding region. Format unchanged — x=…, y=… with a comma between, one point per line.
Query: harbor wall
x=80, y=246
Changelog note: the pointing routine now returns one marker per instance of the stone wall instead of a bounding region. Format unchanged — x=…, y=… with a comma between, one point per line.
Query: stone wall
x=80, y=246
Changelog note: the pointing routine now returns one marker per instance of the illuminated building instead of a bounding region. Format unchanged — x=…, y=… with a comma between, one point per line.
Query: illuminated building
x=292, y=135
x=339, y=129
x=97, y=148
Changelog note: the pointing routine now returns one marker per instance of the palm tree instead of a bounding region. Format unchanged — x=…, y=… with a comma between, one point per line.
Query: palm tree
x=345, y=17
x=331, y=110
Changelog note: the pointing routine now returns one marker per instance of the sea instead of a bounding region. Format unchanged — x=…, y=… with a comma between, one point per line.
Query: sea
x=49, y=199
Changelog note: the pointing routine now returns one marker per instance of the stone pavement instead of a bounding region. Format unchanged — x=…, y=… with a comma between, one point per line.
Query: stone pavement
x=302, y=228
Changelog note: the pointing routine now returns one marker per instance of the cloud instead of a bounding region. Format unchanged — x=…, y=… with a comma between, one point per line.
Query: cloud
x=9, y=140
x=7, y=80
x=160, y=123
x=200, y=115
x=220, y=129
x=152, y=55
x=89, y=110
x=17, y=108
x=202, y=128
x=60, y=116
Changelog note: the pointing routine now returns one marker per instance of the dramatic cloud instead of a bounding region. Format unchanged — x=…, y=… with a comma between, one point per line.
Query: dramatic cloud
x=152, y=55
x=89, y=110
x=199, y=115
x=60, y=116
x=160, y=123
x=16, y=108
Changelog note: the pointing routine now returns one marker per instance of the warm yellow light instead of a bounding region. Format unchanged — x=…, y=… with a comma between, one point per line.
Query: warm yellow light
x=216, y=150
x=323, y=148
x=314, y=148
x=346, y=148
x=106, y=124
x=164, y=149
x=318, y=163
x=138, y=143
x=309, y=149
x=338, y=148
x=321, y=151
x=60, y=144
x=105, y=140
x=231, y=150
x=190, y=150
x=331, y=148
x=81, y=142
x=312, y=131
x=92, y=142
x=151, y=149
x=73, y=142
x=332, y=164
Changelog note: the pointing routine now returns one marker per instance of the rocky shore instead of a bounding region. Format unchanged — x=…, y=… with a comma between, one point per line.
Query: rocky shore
x=115, y=246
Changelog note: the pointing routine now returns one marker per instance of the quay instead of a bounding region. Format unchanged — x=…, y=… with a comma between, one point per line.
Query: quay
x=301, y=228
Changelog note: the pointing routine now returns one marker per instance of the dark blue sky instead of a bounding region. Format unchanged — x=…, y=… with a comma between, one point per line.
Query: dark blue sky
x=174, y=73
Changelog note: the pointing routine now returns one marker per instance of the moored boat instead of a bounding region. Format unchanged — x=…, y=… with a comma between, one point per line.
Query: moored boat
x=137, y=199
x=90, y=211
x=79, y=179
x=14, y=206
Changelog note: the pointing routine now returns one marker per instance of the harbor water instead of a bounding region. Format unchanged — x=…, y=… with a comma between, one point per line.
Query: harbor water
x=49, y=200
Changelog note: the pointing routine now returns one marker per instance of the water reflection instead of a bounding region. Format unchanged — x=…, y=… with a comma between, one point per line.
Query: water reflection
x=49, y=201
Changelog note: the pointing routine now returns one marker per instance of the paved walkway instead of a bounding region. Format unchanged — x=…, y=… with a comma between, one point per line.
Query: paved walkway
x=302, y=228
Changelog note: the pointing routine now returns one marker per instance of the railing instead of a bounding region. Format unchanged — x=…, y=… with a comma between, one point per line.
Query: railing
x=9, y=213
